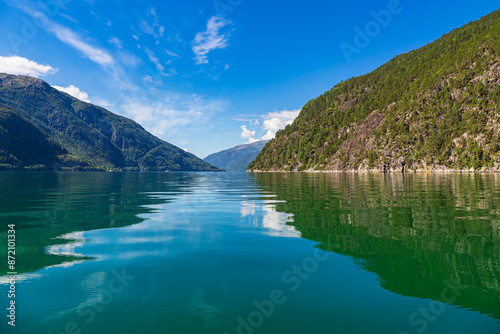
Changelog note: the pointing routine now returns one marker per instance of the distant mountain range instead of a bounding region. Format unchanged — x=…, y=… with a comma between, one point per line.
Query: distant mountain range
x=237, y=158
x=42, y=128
x=434, y=108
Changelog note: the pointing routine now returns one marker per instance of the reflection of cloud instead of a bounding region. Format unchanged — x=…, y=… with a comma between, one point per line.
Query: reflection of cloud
x=19, y=278
x=68, y=249
x=276, y=223
x=273, y=221
x=247, y=209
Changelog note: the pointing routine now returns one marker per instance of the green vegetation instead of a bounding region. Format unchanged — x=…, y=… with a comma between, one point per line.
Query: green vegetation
x=82, y=136
x=23, y=145
x=435, y=107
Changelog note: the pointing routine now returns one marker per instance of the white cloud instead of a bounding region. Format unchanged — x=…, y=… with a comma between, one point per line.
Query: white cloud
x=170, y=53
x=75, y=92
x=116, y=42
x=22, y=66
x=154, y=28
x=103, y=103
x=69, y=37
x=248, y=134
x=145, y=27
x=150, y=80
x=273, y=122
x=211, y=39
x=154, y=60
x=129, y=59
x=276, y=121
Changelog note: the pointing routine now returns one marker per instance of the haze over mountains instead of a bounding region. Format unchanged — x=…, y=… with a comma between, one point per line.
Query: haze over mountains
x=42, y=128
x=238, y=158
x=433, y=108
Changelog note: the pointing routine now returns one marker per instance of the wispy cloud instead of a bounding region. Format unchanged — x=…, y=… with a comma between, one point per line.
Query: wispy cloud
x=116, y=42
x=211, y=39
x=150, y=80
x=71, y=38
x=155, y=60
x=67, y=35
x=23, y=66
x=170, y=53
x=75, y=92
x=102, y=102
x=173, y=116
x=152, y=26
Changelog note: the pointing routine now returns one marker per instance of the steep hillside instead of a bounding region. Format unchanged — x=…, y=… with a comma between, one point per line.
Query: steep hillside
x=433, y=108
x=237, y=158
x=23, y=145
x=93, y=137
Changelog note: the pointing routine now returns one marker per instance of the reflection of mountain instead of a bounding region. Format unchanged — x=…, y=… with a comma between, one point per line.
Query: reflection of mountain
x=414, y=232
x=51, y=210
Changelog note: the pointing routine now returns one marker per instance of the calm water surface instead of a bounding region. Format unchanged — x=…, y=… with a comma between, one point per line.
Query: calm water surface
x=252, y=253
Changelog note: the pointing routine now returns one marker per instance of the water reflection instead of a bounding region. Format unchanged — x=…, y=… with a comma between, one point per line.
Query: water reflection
x=54, y=211
x=415, y=232
x=201, y=248
x=265, y=216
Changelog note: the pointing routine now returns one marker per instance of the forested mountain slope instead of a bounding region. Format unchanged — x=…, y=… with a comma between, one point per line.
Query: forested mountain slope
x=92, y=137
x=433, y=108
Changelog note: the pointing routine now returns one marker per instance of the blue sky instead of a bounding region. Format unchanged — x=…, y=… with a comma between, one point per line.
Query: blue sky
x=209, y=75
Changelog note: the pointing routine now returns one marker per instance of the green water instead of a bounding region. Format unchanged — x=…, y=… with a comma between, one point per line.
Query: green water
x=252, y=253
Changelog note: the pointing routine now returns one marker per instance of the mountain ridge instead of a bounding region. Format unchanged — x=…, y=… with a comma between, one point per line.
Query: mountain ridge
x=236, y=158
x=93, y=137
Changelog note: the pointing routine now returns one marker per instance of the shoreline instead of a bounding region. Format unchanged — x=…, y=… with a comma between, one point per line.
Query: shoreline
x=411, y=171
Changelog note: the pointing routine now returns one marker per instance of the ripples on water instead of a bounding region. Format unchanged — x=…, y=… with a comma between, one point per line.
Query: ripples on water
x=202, y=248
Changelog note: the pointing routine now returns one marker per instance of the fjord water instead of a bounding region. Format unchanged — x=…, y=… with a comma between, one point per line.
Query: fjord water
x=207, y=252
